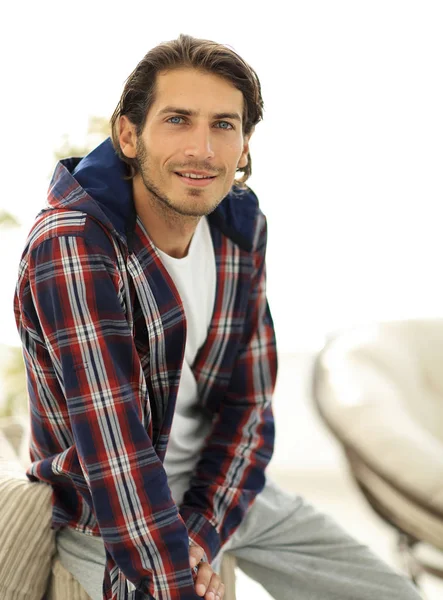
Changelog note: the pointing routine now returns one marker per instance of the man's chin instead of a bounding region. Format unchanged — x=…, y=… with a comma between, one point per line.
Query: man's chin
x=194, y=203
x=184, y=201
x=199, y=209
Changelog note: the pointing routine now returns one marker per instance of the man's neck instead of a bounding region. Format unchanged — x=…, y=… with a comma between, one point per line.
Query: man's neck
x=168, y=230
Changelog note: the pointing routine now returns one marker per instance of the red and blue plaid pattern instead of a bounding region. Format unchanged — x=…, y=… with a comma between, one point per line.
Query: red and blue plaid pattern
x=103, y=334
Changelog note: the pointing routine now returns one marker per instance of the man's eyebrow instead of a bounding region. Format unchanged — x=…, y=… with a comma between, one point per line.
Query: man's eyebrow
x=193, y=113
x=227, y=115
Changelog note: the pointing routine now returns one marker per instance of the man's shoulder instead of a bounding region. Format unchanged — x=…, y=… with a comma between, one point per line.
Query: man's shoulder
x=56, y=223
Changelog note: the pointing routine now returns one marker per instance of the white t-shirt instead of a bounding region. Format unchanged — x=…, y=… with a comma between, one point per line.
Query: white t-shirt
x=195, y=279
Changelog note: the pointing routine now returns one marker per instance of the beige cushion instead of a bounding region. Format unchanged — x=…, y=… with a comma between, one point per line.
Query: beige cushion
x=27, y=542
x=63, y=586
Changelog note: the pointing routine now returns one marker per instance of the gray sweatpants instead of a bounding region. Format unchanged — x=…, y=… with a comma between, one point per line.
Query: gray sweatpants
x=292, y=550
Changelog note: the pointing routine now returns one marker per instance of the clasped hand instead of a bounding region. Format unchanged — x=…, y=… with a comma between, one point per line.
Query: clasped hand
x=207, y=583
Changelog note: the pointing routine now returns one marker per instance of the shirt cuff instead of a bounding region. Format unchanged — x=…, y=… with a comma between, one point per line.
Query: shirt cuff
x=201, y=532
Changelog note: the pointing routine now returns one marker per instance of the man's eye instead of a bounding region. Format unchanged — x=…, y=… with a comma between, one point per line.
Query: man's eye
x=176, y=122
x=224, y=125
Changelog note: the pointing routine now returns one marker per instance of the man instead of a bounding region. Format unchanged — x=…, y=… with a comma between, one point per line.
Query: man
x=151, y=358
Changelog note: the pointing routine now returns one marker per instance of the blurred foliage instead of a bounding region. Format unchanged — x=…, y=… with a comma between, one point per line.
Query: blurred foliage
x=12, y=369
x=15, y=401
x=98, y=130
x=7, y=220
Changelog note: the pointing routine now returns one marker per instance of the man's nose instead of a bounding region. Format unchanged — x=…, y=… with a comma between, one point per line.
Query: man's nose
x=199, y=144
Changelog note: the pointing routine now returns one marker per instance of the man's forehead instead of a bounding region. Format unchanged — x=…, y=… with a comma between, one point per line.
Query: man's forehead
x=196, y=92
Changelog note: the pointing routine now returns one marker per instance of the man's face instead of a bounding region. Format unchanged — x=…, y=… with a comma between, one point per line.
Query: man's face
x=194, y=127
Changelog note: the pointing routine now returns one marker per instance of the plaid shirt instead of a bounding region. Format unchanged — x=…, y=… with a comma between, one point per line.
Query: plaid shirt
x=103, y=333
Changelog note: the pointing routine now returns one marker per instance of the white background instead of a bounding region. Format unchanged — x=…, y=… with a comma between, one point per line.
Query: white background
x=347, y=162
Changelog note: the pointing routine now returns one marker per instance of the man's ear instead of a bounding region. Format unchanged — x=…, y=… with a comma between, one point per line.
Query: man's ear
x=243, y=160
x=127, y=137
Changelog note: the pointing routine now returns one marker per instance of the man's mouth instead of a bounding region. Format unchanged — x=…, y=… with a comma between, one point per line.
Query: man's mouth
x=195, y=180
x=195, y=176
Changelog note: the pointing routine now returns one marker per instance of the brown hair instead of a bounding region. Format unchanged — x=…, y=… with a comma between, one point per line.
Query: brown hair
x=186, y=51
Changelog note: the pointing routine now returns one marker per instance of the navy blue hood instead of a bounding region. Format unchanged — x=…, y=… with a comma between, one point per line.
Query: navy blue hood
x=96, y=185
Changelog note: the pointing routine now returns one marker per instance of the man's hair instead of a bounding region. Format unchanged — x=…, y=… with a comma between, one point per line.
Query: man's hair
x=186, y=51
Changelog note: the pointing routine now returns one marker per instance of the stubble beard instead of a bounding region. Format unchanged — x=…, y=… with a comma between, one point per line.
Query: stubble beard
x=168, y=208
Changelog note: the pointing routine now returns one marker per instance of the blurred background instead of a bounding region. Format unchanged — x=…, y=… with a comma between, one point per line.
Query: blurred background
x=347, y=165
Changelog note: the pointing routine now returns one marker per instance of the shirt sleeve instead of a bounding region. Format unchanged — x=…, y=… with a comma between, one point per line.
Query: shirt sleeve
x=230, y=472
x=77, y=298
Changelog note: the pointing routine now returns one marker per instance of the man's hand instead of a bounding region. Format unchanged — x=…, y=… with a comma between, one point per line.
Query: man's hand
x=207, y=583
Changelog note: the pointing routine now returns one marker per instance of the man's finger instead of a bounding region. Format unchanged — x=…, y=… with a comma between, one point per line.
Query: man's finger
x=195, y=555
x=213, y=587
x=203, y=578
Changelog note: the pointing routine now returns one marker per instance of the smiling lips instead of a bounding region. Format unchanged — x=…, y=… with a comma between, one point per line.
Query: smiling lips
x=196, y=178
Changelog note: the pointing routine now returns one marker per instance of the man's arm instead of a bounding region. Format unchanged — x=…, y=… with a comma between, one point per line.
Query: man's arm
x=74, y=304
x=230, y=472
